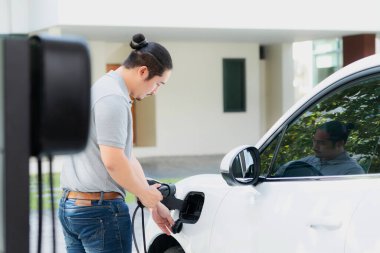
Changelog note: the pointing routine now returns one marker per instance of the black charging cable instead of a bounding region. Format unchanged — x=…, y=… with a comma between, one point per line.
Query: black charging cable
x=169, y=200
x=51, y=180
x=40, y=203
x=139, y=206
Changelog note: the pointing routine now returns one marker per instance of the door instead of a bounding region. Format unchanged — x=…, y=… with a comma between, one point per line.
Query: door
x=315, y=178
x=312, y=212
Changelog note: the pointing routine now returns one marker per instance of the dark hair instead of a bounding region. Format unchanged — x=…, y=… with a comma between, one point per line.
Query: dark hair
x=337, y=130
x=151, y=54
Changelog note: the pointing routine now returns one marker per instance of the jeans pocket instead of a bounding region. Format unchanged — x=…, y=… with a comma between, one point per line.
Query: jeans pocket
x=90, y=231
x=123, y=210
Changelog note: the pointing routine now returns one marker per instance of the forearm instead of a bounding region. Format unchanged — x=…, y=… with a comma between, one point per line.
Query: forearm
x=125, y=175
x=138, y=170
x=123, y=171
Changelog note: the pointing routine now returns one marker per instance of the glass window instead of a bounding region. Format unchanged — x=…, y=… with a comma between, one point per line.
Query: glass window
x=327, y=58
x=267, y=156
x=234, y=85
x=337, y=136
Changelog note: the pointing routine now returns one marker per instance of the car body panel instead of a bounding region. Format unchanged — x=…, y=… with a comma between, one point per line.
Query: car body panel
x=330, y=214
x=251, y=219
x=213, y=198
x=360, y=238
x=306, y=216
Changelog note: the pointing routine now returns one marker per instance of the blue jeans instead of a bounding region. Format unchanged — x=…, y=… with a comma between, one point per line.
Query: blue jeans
x=104, y=227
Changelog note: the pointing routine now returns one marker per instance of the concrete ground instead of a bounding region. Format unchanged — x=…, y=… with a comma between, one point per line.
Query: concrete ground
x=180, y=166
x=154, y=167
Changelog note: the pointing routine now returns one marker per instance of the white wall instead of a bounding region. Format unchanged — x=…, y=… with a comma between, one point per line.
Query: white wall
x=303, y=68
x=263, y=97
x=257, y=14
x=287, y=76
x=4, y=17
x=24, y=16
x=14, y=16
x=189, y=109
x=103, y=53
x=44, y=14
x=279, y=87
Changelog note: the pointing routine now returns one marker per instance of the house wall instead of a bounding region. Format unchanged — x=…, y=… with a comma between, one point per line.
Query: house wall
x=268, y=14
x=14, y=16
x=187, y=117
x=187, y=113
x=279, y=81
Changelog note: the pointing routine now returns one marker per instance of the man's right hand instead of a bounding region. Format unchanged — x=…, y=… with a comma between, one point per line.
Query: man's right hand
x=151, y=196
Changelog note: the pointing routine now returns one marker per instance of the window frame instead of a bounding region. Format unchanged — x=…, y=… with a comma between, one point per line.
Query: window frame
x=227, y=108
x=317, y=98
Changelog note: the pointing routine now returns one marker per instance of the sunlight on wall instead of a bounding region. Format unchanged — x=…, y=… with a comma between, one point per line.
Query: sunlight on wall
x=303, y=68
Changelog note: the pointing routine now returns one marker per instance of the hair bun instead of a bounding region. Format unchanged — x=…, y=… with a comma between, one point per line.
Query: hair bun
x=138, y=41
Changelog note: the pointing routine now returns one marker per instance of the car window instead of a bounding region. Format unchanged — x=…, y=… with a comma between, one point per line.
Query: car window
x=267, y=155
x=338, y=135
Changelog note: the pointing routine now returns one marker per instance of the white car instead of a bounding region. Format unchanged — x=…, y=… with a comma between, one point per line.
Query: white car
x=261, y=203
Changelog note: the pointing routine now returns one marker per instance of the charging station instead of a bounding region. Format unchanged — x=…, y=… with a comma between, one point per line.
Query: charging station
x=44, y=111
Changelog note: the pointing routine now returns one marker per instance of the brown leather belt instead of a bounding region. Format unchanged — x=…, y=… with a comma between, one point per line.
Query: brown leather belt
x=94, y=195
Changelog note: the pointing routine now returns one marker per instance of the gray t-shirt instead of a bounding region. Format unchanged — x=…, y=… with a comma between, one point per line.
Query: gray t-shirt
x=111, y=125
x=343, y=164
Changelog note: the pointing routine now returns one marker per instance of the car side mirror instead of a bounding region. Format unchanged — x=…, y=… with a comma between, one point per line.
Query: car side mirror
x=241, y=166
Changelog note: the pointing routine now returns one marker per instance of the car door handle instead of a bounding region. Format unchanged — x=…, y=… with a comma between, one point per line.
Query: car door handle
x=329, y=223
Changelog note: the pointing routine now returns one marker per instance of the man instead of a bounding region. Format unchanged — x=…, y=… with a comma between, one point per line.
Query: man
x=330, y=156
x=93, y=213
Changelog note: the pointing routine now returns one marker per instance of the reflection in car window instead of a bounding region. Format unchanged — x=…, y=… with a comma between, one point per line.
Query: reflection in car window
x=355, y=106
x=267, y=156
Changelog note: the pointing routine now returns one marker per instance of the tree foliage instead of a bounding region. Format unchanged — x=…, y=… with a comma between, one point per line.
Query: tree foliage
x=358, y=104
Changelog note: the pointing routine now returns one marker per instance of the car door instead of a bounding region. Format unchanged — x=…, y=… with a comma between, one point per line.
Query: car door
x=305, y=212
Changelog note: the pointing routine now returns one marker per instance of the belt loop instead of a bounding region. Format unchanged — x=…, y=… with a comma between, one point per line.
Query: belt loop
x=101, y=198
x=65, y=194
